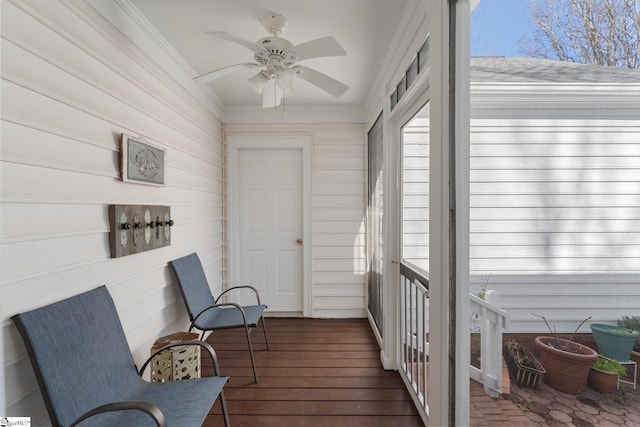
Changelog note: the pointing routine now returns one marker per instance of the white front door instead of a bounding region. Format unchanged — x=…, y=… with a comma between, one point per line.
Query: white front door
x=270, y=223
x=269, y=205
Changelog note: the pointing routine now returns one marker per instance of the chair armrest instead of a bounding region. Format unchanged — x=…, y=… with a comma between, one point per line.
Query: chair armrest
x=226, y=304
x=140, y=405
x=240, y=287
x=207, y=347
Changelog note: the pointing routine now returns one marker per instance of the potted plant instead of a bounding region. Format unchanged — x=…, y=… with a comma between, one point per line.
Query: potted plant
x=567, y=363
x=632, y=322
x=604, y=374
x=614, y=342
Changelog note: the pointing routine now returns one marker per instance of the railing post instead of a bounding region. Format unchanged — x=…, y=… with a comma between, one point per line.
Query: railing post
x=494, y=348
x=492, y=322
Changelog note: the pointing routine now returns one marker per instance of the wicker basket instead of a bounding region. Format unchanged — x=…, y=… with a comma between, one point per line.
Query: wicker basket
x=524, y=369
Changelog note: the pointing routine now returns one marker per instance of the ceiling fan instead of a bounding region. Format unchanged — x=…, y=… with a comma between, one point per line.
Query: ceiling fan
x=277, y=59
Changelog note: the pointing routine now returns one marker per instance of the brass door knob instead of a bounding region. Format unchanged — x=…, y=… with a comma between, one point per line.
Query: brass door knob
x=299, y=242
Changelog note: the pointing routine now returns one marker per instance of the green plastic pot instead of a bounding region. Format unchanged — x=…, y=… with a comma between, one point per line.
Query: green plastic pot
x=614, y=342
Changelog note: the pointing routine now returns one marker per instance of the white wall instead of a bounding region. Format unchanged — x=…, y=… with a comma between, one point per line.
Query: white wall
x=338, y=208
x=71, y=84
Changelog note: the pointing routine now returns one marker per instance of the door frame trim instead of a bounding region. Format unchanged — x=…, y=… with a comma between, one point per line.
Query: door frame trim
x=236, y=143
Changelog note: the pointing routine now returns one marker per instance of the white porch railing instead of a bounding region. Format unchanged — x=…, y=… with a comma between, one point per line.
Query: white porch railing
x=414, y=333
x=488, y=322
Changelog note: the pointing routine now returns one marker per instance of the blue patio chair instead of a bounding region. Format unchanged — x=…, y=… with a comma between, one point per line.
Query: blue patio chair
x=85, y=370
x=206, y=313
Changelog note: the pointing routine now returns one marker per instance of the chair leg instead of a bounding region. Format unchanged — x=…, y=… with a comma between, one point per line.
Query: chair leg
x=253, y=362
x=225, y=414
x=264, y=329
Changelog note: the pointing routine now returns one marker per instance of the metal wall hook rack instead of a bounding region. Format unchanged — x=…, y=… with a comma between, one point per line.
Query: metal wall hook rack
x=138, y=228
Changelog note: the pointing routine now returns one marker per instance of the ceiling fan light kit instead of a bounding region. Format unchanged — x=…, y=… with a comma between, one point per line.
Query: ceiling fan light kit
x=258, y=81
x=277, y=58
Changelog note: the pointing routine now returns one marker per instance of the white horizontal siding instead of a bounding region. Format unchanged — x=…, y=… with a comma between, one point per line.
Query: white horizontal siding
x=415, y=192
x=554, y=218
x=338, y=238
x=71, y=85
x=575, y=213
x=564, y=299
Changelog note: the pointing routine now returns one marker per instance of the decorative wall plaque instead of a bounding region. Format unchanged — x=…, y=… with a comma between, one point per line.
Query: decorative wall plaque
x=142, y=162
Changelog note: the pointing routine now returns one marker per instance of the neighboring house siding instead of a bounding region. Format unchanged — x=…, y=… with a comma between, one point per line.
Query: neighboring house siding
x=71, y=85
x=555, y=218
x=555, y=196
x=338, y=208
x=415, y=193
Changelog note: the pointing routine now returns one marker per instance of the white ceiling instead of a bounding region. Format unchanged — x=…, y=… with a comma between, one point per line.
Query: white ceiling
x=364, y=28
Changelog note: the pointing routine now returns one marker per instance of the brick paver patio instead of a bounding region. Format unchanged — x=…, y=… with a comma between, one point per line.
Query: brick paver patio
x=545, y=406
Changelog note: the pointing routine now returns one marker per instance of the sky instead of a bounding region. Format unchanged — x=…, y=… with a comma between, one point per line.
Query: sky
x=498, y=25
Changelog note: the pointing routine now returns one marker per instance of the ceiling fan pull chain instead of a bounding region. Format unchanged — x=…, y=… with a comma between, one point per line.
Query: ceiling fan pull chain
x=284, y=108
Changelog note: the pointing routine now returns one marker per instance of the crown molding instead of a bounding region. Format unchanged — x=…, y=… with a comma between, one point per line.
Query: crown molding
x=130, y=22
x=155, y=36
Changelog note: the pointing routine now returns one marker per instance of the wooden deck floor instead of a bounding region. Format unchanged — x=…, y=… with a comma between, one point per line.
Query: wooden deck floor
x=317, y=373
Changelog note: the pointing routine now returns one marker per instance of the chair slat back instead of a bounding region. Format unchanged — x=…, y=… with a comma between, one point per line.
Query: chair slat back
x=193, y=284
x=79, y=353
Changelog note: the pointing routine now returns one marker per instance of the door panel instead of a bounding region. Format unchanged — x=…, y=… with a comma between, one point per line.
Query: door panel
x=270, y=224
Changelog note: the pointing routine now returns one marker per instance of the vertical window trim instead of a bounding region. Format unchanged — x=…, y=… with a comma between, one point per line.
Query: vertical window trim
x=375, y=134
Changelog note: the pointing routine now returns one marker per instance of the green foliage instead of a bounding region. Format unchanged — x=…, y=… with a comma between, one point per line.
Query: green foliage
x=482, y=293
x=633, y=323
x=610, y=365
x=630, y=322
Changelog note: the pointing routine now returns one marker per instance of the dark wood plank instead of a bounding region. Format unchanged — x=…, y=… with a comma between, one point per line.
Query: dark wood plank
x=310, y=372
x=263, y=354
x=317, y=421
x=315, y=407
x=225, y=346
x=314, y=382
x=317, y=373
x=317, y=394
x=307, y=360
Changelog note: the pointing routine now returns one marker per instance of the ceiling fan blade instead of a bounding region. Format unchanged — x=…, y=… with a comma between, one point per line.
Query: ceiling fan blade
x=235, y=39
x=324, y=82
x=271, y=95
x=326, y=46
x=216, y=74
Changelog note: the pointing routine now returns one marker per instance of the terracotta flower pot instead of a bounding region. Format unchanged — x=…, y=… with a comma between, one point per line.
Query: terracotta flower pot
x=602, y=381
x=567, y=371
x=635, y=356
